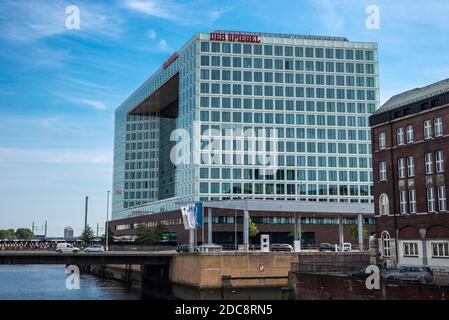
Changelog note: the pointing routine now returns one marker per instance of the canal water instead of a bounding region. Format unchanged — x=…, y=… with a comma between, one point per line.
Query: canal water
x=48, y=282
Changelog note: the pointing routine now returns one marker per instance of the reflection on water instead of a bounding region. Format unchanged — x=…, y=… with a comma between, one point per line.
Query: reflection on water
x=47, y=282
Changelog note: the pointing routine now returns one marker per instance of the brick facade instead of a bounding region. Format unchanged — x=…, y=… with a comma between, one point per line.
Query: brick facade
x=421, y=227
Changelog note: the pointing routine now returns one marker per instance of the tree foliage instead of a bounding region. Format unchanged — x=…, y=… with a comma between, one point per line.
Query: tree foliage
x=24, y=233
x=7, y=234
x=88, y=234
x=145, y=235
x=252, y=229
x=354, y=231
x=110, y=237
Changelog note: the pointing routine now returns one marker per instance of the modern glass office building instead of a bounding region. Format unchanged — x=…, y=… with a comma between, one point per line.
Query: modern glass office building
x=259, y=116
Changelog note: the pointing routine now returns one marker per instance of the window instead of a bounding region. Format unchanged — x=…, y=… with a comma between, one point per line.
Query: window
x=385, y=244
x=382, y=171
x=403, y=202
x=400, y=136
x=412, y=200
x=439, y=161
x=411, y=166
x=442, y=207
x=401, y=168
x=382, y=141
x=383, y=205
x=438, y=123
x=427, y=129
x=440, y=249
x=410, y=249
x=430, y=199
x=429, y=163
x=409, y=133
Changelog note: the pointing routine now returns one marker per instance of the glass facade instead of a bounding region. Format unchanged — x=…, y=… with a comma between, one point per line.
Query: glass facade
x=314, y=94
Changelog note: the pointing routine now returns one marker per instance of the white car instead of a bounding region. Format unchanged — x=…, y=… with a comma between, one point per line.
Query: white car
x=66, y=247
x=94, y=248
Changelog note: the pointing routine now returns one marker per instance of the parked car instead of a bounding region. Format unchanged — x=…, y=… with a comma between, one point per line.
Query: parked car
x=327, y=247
x=281, y=247
x=346, y=246
x=94, y=248
x=65, y=247
x=421, y=274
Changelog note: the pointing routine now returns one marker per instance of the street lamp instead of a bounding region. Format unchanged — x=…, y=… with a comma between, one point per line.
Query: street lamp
x=107, y=218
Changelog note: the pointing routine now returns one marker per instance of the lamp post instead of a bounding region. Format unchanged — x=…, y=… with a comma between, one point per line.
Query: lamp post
x=107, y=218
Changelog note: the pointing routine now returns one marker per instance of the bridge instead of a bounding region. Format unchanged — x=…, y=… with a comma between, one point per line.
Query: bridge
x=82, y=258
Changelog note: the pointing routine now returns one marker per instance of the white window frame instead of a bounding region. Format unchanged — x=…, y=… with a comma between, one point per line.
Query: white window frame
x=400, y=136
x=411, y=166
x=409, y=134
x=427, y=129
x=401, y=168
x=428, y=157
x=440, y=249
x=403, y=201
x=439, y=161
x=438, y=126
x=430, y=199
x=412, y=200
x=386, y=249
x=442, y=203
x=410, y=249
x=383, y=171
x=384, y=208
x=382, y=141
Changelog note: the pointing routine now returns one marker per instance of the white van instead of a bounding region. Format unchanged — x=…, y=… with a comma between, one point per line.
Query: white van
x=66, y=247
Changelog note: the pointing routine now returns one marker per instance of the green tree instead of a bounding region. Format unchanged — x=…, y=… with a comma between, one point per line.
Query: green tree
x=252, y=229
x=159, y=232
x=88, y=234
x=24, y=233
x=354, y=231
x=110, y=237
x=145, y=235
x=7, y=234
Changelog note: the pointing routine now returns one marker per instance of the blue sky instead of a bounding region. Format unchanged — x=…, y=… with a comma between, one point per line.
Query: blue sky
x=59, y=87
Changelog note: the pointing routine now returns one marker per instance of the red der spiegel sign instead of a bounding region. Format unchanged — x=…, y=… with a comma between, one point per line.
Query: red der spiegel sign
x=234, y=37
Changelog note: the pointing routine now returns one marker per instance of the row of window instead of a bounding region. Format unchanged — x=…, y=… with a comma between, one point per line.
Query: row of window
x=288, y=51
x=288, y=105
x=407, y=201
x=281, y=91
x=287, y=64
x=407, y=135
x=278, y=118
x=301, y=175
x=439, y=249
x=439, y=165
x=282, y=189
x=279, y=77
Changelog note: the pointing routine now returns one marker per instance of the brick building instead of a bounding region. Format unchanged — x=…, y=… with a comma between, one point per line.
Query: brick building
x=410, y=142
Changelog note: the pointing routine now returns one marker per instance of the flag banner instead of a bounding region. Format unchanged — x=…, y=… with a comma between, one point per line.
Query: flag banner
x=199, y=214
x=188, y=216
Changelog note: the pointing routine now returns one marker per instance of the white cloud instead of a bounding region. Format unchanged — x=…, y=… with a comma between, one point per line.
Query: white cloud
x=197, y=12
x=92, y=103
x=35, y=19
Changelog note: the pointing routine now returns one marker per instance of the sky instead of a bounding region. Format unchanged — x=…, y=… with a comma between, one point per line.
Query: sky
x=59, y=86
